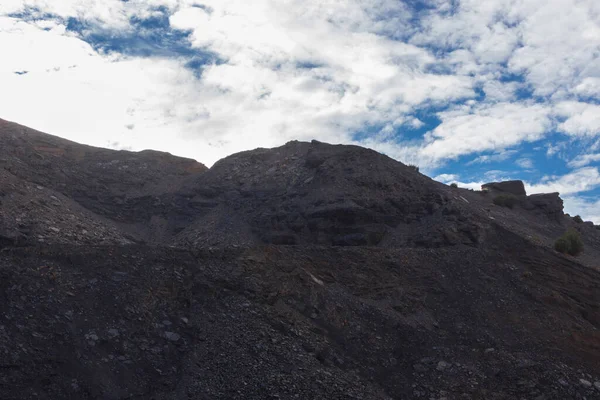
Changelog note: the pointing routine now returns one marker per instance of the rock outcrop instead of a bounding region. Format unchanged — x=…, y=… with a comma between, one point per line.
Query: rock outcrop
x=549, y=204
x=515, y=187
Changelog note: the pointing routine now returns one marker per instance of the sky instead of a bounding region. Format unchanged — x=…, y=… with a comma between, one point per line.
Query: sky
x=470, y=91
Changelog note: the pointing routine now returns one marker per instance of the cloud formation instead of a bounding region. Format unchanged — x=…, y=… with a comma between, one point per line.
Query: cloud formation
x=449, y=86
x=580, y=180
x=587, y=208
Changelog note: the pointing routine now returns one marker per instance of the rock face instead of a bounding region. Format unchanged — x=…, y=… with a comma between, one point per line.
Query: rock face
x=549, y=204
x=307, y=271
x=513, y=187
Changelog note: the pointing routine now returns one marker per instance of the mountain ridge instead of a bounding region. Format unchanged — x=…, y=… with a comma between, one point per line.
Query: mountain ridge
x=310, y=181
x=305, y=271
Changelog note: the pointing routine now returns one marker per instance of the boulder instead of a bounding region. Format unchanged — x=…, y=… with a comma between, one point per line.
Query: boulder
x=513, y=187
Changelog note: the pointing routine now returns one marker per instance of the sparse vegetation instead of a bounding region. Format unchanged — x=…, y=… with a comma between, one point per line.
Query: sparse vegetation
x=506, y=200
x=569, y=243
x=413, y=167
x=578, y=219
x=454, y=185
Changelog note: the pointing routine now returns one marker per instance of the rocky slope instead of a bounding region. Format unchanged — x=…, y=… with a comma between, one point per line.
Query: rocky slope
x=55, y=190
x=307, y=271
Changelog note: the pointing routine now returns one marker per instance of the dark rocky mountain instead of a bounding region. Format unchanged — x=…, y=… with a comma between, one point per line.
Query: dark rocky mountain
x=309, y=271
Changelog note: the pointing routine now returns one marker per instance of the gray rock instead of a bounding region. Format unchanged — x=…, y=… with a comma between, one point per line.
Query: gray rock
x=113, y=333
x=442, y=365
x=172, y=336
x=585, y=383
x=420, y=368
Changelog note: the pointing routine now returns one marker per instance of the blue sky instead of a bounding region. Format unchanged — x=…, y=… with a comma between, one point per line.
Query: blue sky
x=471, y=91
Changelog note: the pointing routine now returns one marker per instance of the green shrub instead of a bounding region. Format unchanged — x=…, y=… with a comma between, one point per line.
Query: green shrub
x=577, y=219
x=454, y=185
x=562, y=245
x=569, y=243
x=506, y=200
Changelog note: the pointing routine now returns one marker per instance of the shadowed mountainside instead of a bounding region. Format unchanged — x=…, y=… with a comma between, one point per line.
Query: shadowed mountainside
x=304, y=271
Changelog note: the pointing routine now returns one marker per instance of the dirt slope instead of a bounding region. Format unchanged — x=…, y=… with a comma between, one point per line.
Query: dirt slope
x=295, y=322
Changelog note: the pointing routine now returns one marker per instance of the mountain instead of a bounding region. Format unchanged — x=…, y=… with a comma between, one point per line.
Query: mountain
x=306, y=271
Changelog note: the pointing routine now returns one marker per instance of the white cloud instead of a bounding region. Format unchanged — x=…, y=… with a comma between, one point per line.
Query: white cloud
x=587, y=208
x=581, y=180
x=38, y=51
x=102, y=15
x=500, y=91
x=475, y=26
x=486, y=127
x=470, y=185
x=73, y=91
x=409, y=152
x=490, y=176
x=361, y=75
x=525, y=163
x=553, y=42
x=559, y=149
x=361, y=78
x=453, y=178
x=582, y=119
x=446, y=178
x=496, y=175
x=589, y=87
x=258, y=97
x=416, y=123
x=490, y=158
x=583, y=160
